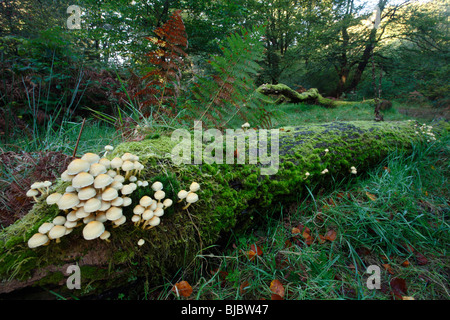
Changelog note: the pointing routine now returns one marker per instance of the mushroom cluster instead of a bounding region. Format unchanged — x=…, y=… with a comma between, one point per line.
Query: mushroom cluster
x=190, y=196
x=148, y=212
x=35, y=188
x=99, y=191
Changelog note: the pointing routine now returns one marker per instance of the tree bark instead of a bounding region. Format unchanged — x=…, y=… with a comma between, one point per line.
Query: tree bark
x=284, y=94
x=230, y=194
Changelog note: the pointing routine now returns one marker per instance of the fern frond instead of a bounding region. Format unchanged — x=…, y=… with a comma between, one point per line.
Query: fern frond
x=227, y=92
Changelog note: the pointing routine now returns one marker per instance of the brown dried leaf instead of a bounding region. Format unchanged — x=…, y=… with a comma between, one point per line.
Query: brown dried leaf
x=277, y=288
x=388, y=268
x=182, y=288
x=371, y=196
x=398, y=287
x=331, y=235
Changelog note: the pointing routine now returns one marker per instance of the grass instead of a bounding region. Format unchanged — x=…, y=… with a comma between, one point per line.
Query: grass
x=397, y=212
x=394, y=217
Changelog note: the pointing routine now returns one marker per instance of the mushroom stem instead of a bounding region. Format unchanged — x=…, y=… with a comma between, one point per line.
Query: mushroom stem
x=185, y=207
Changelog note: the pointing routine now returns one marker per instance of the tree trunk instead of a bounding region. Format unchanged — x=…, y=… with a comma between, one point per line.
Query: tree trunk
x=283, y=94
x=229, y=196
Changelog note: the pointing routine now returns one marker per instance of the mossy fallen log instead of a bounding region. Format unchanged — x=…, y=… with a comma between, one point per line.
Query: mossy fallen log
x=229, y=194
x=284, y=94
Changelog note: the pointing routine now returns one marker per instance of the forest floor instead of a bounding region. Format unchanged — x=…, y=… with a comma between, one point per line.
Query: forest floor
x=395, y=217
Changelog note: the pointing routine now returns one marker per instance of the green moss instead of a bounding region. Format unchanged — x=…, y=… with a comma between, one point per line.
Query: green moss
x=229, y=193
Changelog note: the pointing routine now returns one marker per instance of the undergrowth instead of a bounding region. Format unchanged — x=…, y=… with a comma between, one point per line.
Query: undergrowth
x=394, y=217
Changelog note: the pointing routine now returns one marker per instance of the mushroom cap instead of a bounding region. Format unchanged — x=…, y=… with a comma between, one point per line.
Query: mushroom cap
x=57, y=232
x=91, y=157
x=109, y=194
x=109, y=148
x=53, y=198
x=127, y=189
x=37, y=240
x=116, y=163
x=147, y=214
x=127, y=165
x=92, y=205
x=111, y=173
x=159, y=212
x=37, y=185
x=135, y=218
x=105, y=235
x=82, y=179
x=159, y=195
x=116, y=185
x=167, y=203
x=102, y=180
x=138, y=209
x=145, y=201
x=89, y=218
x=81, y=213
x=45, y=227
x=68, y=201
x=66, y=177
x=133, y=185
x=93, y=230
x=141, y=242
x=105, y=162
x=101, y=217
x=59, y=220
x=182, y=194
x=117, y=202
x=246, y=125
x=120, y=221
x=157, y=186
x=70, y=189
x=126, y=201
x=154, y=205
x=132, y=179
x=127, y=157
x=96, y=169
x=86, y=193
x=32, y=193
x=154, y=221
x=46, y=183
x=192, y=197
x=77, y=166
x=194, y=187
x=119, y=178
x=70, y=225
x=72, y=216
x=114, y=213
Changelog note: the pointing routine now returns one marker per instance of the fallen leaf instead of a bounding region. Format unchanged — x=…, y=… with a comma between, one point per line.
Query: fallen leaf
x=254, y=251
x=321, y=239
x=244, y=287
x=405, y=263
x=331, y=235
x=421, y=260
x=295, y=230
x=388, y=268
x=182, y=288
x=371, y=196
x=275, y=296
x=277, y=288
x=398, y=287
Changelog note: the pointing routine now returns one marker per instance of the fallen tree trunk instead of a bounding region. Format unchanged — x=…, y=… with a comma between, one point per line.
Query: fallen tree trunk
x=229, y=194
x=284, y=94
